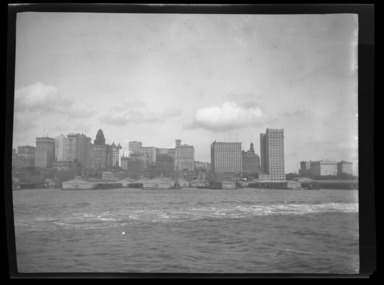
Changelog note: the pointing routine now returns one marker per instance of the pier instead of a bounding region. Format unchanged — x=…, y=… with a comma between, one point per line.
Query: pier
x=338, y=184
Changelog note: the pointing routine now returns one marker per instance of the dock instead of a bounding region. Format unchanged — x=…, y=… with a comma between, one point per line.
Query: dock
x=338, y=184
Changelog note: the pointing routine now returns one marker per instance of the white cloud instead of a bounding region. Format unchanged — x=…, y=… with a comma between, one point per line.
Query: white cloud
x=43, y=99
x=38, y=97
x=228, y=116
x=39, y=108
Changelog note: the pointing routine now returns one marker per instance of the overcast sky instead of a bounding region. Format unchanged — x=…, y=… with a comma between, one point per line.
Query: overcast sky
x=199, y=78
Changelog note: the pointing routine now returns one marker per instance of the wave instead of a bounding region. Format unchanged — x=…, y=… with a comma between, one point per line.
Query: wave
x=114, y=218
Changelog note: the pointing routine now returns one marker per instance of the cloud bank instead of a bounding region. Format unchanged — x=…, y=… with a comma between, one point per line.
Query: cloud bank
x=38, y=97
x=227, y=117
x=45, y=99
x=39, y=106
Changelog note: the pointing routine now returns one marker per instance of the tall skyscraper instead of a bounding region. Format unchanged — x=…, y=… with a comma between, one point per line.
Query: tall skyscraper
x=119, y=150
x=164, y=165
x=161, y=151
x=226, y=157
x=134, y=164
x=135, y=146
x=323, y=168
x=26, y=156
x=123, y=152
x=149, y=154
x=305, y=168
x=184, y=157
x=79, y=149
x=61, y=148
x=272, y=154
x=344, y=167
x=45, y=152
x=114, y=154
x=172, y=152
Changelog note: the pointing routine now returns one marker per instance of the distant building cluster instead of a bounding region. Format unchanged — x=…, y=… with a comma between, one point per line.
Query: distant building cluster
x=65, y=157
x=326, y=168
x=230, y=162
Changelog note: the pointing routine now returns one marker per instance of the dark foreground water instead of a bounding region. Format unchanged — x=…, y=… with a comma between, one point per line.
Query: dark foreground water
x=187, y=231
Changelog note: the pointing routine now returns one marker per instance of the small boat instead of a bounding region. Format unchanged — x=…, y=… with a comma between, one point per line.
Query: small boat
x=224, y=185
x=135, y=185
x=176, y=186
x=108, y=185
x=77, y=184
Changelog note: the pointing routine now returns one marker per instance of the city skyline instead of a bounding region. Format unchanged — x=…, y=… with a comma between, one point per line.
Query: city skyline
x=135, y=147
x=199, y=78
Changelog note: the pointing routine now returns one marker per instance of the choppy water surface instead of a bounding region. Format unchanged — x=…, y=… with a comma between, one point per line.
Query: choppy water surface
x=189, y=230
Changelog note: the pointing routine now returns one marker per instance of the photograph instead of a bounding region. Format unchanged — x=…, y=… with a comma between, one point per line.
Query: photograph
x=195, y=143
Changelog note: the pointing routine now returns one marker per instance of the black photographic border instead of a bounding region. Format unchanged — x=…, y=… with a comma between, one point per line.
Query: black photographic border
x=366, y=59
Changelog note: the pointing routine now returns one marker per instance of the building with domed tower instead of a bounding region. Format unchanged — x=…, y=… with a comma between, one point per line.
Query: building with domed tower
x=100, y=152
x=250, y=161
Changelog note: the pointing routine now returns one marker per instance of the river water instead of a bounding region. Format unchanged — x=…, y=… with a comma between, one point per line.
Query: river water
x=187, y=231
